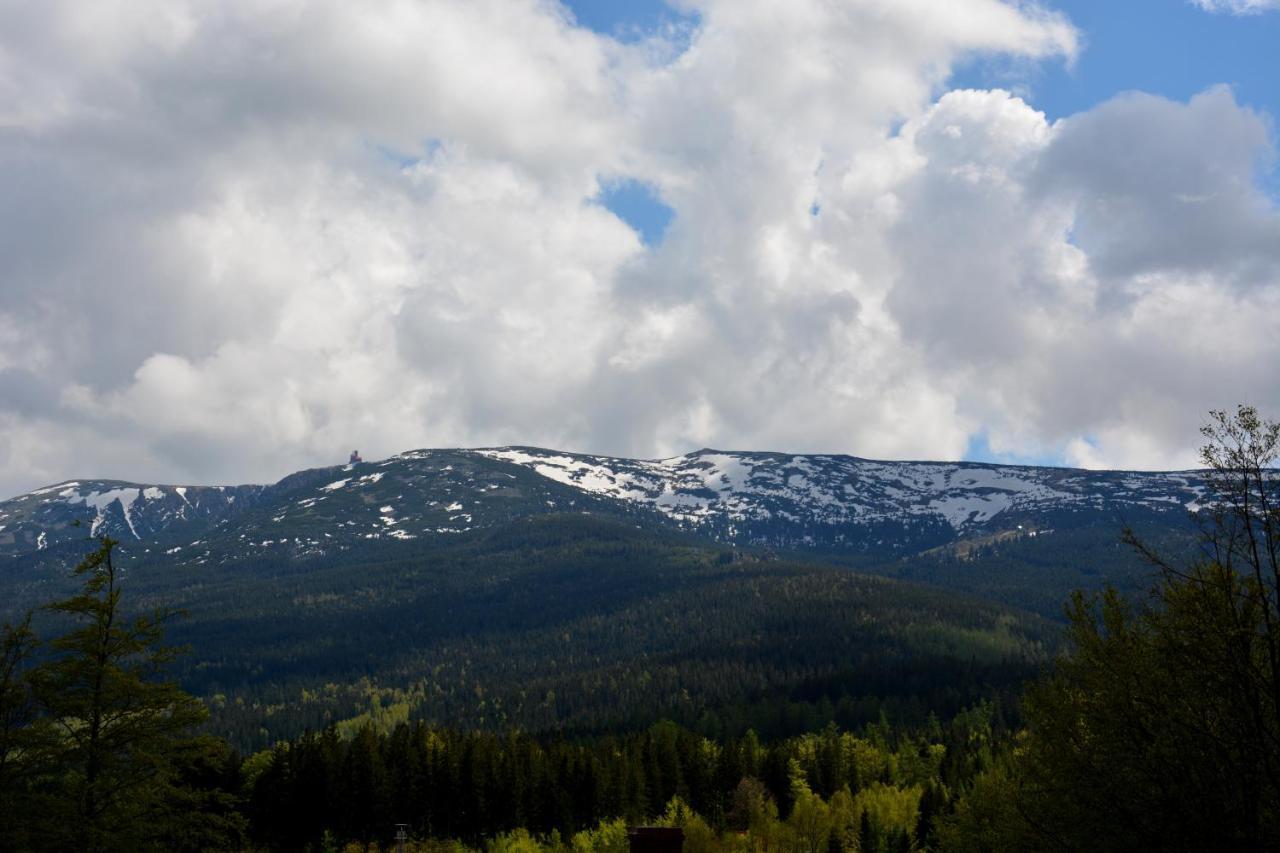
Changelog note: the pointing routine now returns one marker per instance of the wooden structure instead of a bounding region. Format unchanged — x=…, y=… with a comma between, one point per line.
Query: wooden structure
x=656, y=839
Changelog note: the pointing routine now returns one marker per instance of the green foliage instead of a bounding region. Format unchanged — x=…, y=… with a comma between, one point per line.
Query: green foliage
x=102, y=752
x=987, y=818
x=1160, y=730
x=810, y=819
x=610, y=836
x=518, y=791
x=698, y=836
x=1153, y=710
x=516, y=841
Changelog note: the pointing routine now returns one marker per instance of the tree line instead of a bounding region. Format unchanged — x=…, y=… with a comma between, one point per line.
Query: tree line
x=478, y=787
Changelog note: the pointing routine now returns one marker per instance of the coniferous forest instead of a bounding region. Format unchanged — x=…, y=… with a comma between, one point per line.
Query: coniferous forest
x=757, y=703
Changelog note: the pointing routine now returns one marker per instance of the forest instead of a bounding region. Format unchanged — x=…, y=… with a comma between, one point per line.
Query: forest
x=577, y=624
x=775, y=706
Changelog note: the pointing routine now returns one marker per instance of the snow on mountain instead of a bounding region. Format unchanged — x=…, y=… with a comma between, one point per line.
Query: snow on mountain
x=711, y=486
x=78, y=509
x=789, y=500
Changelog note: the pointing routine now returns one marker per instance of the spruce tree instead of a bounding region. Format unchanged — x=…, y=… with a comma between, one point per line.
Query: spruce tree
x=124, y=733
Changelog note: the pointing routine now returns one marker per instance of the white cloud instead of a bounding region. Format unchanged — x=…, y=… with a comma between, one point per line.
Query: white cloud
x=1073, y=280
x=1238, y=7
x=242, y=239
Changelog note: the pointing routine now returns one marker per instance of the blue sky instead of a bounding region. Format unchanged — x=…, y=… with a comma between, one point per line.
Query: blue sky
x=1164, y=47
x=623, y=19
x=638, y=205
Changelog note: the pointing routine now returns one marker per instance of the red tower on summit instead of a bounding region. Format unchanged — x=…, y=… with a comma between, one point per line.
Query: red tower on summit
x=355, y=458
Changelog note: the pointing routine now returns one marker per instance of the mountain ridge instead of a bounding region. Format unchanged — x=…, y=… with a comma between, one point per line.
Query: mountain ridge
x=807, y=501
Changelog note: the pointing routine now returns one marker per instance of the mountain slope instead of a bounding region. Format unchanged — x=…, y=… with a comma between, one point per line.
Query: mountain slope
x=841, y=502
x=815, y=502
x=573, y=622
x=422, y=494
x=70, y=511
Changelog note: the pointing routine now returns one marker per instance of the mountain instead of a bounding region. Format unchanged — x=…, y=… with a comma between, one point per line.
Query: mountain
x=555, y=591
x=818, y=503
x=417, y=495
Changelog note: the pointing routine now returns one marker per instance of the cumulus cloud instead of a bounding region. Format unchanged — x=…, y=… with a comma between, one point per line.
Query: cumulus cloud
x=241, y=239
x=1093, y=284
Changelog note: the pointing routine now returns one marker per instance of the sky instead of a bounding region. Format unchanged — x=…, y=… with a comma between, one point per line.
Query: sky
x=242, y=238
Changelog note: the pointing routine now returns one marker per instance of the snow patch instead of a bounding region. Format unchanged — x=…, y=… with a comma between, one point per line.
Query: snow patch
x=100, y=501
x=960, y=510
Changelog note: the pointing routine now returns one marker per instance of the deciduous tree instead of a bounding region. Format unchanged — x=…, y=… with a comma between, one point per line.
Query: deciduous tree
x=1161, y=728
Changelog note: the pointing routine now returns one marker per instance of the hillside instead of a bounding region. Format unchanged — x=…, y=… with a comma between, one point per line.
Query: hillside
x=569, y=622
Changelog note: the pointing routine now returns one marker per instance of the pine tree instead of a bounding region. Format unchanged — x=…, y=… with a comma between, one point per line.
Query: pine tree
x=124, y=733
